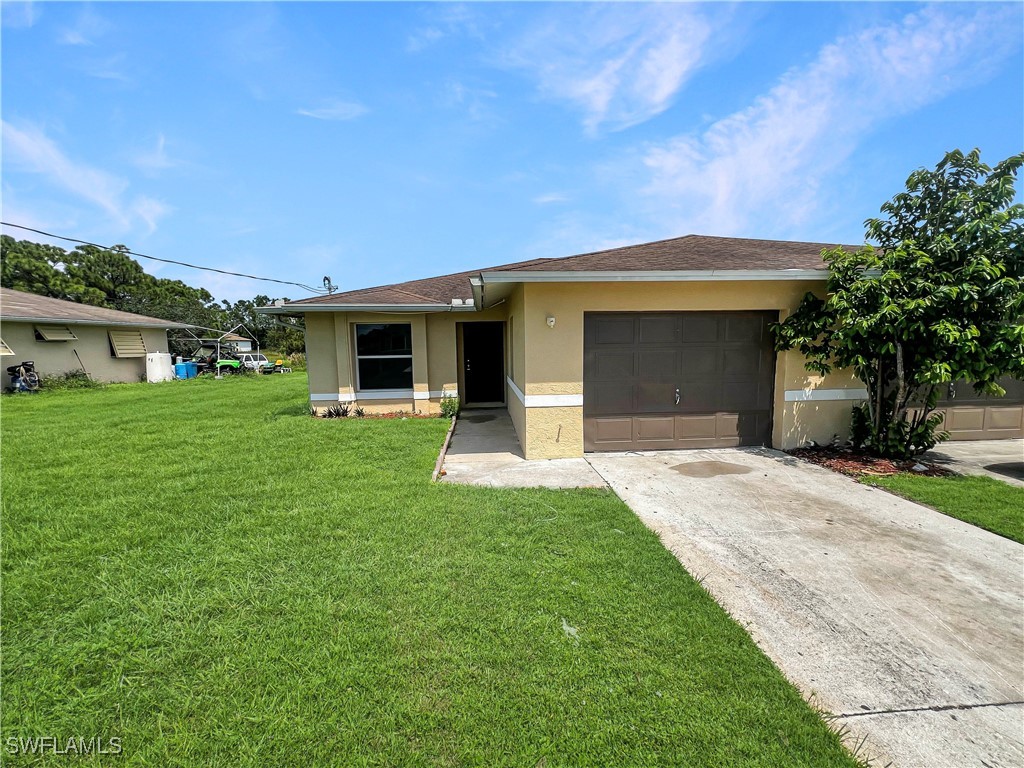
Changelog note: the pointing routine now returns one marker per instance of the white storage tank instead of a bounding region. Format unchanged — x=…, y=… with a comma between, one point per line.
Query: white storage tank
x=159, y=367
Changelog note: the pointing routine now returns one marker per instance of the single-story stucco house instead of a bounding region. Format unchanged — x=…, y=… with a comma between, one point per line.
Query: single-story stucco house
x=62, y=336
x=659, y=345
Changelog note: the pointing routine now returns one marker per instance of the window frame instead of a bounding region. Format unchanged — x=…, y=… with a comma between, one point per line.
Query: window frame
x=400, y=391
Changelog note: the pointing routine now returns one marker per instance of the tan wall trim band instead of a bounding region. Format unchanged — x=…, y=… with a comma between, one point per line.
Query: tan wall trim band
x=406, y=394
x=545, y=401
x=800, y=395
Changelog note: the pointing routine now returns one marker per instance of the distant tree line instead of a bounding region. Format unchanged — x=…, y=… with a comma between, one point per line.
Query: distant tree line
x=107, y=278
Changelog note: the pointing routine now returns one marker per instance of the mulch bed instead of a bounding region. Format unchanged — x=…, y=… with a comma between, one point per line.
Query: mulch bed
x=856, y=463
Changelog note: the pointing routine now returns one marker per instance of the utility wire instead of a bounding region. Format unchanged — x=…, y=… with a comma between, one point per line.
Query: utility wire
x=128, y=252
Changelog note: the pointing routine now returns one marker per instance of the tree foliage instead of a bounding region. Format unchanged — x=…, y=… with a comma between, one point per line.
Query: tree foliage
x=109, y=278
x=939, y=297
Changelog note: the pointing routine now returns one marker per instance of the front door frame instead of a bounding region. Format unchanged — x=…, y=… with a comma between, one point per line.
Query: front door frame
x=461, y=362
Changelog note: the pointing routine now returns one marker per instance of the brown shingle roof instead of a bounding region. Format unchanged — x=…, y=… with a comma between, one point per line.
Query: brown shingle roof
x=18, y=305
x=692, y=252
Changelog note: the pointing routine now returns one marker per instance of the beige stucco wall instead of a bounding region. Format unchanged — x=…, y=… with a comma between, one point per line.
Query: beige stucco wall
x=545, y=361
x=330, y=357
x=554, y=356
x=92, y=346
x=514, y=307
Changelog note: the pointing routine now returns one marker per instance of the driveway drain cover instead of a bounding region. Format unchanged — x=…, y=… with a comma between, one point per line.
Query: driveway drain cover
x=710, y=469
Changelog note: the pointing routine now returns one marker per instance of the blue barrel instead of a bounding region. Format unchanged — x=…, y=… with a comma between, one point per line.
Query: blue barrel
x=181, y=370
x=191, y=369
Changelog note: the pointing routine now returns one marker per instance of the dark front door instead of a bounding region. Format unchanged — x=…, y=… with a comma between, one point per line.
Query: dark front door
x=677, y=380
x=483, y=362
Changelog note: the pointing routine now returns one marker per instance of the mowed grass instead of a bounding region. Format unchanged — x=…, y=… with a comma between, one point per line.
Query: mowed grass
x=982, y=501
x=206, y=572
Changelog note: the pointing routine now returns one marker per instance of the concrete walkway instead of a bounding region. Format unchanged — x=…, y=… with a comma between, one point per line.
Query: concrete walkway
x=904, y=623
x=485, y=451
x=1001, y=459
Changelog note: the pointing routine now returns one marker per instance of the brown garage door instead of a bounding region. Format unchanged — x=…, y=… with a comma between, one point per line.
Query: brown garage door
x=968, y=416
x=677, y=380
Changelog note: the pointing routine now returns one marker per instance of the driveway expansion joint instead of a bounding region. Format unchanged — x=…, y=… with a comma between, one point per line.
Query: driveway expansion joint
x=937, y=708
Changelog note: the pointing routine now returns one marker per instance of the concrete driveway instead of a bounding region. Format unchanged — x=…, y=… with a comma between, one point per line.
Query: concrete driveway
x=1001, y=459
x=904, y=623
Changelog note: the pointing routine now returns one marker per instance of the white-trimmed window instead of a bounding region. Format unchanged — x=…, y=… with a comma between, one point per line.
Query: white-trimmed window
x=4, y=349
x=127, y=344
x=54, y=333
x=383, y=356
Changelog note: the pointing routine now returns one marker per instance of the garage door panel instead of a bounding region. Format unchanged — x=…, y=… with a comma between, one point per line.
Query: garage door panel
x=612, y=431
x=1010, y=417
x=744, y=328
x=700, y=396
x=739, y=396
x=659, y=330
x=699, y=362
x=965, y=418
x=653, y=396
x=659, y=364
x=659, y=429
x=608, y=330
x=698, y=328
x=610, y=397
x=721, y=364
x=744, y=362
x=613, y=365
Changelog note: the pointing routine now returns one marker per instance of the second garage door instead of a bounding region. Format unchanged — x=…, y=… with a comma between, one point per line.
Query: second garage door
x=970, y=416
x=677, y=380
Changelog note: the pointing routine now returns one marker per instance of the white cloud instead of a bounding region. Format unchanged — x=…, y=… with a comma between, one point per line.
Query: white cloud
x=476, y=101
x=19, y=15
x=777, y=153
x=446, y=20
x=620, y=64
x=156, y=159
x=150, y=211
x=335, y=110
x=88, y=28
x=550, y=197
x=423, y=38
x=29, y=149
x=112, y=67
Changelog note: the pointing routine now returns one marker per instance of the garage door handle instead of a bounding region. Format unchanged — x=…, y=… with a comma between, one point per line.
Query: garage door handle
x=677, y=395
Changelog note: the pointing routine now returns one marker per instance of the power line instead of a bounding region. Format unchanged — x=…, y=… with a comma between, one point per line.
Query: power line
x=127, y=252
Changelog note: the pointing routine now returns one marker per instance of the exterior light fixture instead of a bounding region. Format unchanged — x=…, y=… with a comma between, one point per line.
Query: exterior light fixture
x=551, y=321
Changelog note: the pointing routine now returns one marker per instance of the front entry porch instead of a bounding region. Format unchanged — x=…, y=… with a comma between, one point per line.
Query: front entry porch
x=484, y=450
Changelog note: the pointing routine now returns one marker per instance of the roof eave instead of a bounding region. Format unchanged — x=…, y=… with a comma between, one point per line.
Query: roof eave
x=651, y=276
x=293, y=309
x=66, y=321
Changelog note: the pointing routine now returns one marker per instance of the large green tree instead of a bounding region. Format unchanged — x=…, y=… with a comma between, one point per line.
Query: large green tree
x=937, y=296
x=108, y=277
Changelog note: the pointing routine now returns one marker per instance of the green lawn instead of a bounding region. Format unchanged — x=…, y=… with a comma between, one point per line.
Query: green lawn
x=982, y=501
x=206, y=572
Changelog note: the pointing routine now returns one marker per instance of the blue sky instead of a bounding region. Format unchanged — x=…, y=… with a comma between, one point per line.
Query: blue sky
x=378, y=143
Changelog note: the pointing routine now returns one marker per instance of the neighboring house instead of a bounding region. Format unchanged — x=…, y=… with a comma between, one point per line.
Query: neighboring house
x=63, y=336
x=660, y=345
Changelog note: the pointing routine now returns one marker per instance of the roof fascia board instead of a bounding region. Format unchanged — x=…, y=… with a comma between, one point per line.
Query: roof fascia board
x=638, y=276
x=291, y=309
x=66, y=321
